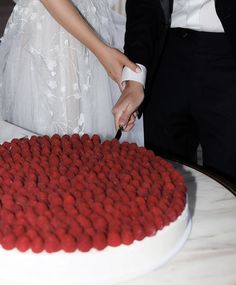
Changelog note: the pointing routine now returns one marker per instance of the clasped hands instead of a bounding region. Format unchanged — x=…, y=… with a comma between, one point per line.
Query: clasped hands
x=132, y=92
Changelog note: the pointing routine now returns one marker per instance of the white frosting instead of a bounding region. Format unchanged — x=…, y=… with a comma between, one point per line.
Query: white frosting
x=104, y=267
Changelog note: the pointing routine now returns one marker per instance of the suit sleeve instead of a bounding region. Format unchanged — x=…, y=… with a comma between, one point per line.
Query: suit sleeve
x=141, y=30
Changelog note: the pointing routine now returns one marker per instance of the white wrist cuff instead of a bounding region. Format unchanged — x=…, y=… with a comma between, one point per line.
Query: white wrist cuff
x=129, y=74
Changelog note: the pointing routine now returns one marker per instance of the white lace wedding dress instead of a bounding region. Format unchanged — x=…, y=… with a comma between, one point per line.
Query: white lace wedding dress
x=50, y=82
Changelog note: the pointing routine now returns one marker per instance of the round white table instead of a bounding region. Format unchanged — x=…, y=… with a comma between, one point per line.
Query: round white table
x=209, y=255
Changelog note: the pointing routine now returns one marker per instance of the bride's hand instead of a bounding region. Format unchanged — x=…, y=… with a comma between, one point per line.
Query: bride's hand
x=114, y=61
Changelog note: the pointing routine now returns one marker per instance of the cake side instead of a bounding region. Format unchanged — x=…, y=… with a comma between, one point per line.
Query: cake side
x=107, y=267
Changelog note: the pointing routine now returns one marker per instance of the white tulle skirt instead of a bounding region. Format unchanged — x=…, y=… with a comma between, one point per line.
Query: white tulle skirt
x=50, y=82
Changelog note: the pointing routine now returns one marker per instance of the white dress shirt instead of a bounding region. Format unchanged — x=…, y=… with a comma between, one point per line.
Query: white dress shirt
x=199, y=15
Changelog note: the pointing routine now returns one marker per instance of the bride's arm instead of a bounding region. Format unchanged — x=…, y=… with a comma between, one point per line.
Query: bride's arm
x=69, y=17
x=66, y=14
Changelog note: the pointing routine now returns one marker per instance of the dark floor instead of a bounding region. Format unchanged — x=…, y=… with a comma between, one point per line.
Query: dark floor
x=6, y=7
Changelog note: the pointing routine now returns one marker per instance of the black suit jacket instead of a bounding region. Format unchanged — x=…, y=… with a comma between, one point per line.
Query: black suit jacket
x=148, y=22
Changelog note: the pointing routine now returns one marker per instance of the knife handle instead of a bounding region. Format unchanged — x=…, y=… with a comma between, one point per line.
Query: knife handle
x=119, y=133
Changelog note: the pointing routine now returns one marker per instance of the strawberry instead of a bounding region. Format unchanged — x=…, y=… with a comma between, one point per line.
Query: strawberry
x=84, y=243
x=113, y=238
x=138, y=232
x=8, y=241
x=68, y=242
x=99, y=241
x=52, y=243
x=149, y=229
x=23, y=243
x=127, y=237
x=37, y=245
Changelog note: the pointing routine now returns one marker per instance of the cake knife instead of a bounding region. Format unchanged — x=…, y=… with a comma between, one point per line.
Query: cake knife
x=119, y=132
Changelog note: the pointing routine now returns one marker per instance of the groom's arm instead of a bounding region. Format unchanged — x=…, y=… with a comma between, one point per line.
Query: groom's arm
x=143, y=19
x=141, y=30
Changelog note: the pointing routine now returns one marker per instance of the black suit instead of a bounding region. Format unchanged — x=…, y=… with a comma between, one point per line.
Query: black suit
x=148, y=41
x=149, y=20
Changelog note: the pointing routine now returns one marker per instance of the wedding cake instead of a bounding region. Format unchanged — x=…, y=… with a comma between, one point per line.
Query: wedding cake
x=75, y=210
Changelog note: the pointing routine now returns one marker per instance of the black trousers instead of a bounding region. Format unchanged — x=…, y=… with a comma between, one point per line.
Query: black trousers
x=193, y=101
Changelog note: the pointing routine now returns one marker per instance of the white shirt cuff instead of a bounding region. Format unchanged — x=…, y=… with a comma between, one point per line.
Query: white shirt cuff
x=129, y=74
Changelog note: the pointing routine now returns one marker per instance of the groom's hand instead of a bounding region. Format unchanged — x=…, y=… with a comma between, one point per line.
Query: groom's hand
x=125, y=110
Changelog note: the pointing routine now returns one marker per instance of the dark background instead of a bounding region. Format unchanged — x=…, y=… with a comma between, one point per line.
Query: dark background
x=6, y=7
